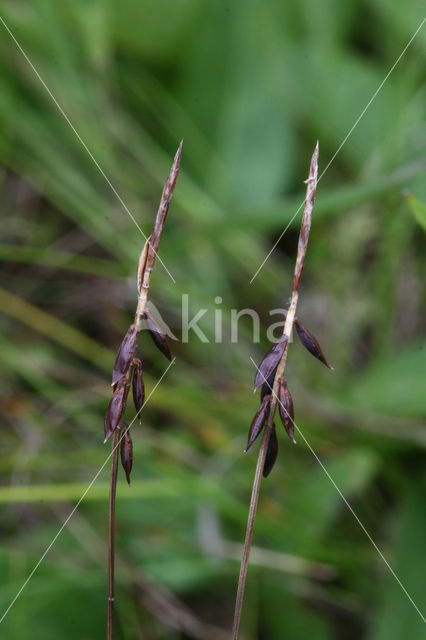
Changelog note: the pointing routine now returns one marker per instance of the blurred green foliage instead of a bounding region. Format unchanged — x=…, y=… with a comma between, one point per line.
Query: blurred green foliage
x=250, y=86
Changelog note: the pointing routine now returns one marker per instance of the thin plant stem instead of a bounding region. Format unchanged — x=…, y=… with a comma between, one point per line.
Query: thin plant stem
x=111, y=531
x=291, y=313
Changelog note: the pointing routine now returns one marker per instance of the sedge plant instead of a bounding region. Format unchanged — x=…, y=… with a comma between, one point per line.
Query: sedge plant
x=274, y=389
x=128, y=371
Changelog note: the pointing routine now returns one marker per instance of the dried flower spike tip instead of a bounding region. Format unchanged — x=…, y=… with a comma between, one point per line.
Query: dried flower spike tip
x=126, y=451
x=311, y=343
x=258, y=421
x=125, y=354
x=270, y=362
x=166, y=196
x=286, y=409
x=306, y=218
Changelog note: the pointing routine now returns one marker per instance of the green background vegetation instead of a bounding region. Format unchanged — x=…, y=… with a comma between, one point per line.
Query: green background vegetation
x=250, y=86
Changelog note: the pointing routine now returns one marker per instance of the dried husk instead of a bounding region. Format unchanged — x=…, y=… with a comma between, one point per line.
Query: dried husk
x=311, y=343
x=267, y=386
x=158, y=336
x=270, y=362
x=138, y=386
x=286, y=409
x=271, y=453
x=126, y=451
x=258, y=421
x=125, y=355
x=115, y=409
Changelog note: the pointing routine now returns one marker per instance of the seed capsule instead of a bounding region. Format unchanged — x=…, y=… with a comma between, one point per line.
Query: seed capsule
x=138, y=386
x=267, y=386
x=126, y=451
x=115, y=409
x=271, y=453
x=311, y=343
x=286, y=409
x=270, y=362
x=258, y=422
x=125, y=354
x=158, y=336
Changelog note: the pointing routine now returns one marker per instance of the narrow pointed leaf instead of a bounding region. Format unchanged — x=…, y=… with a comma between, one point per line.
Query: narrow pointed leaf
x=270, y=362
x=115, y=409
x=271, y=454
x=158, y=336
x=258, y=421
x=311, y=343
x=126, y=451
x=124, y=355
x=286, y=409
x=138, y=386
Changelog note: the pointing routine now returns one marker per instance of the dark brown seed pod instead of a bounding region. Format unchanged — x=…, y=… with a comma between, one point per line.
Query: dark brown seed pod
x=267, y=386
x=258, y=421
x=271, y=453
x=158, y=336
x=124, y=355
x=115, y=409
x=138, y=386
x=270, y=362
x=286, y=409
x=126, y=451
x=311, y=343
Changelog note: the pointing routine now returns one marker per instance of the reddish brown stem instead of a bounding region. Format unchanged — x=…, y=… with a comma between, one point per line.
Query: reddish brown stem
x=147, y=259
x=111, y=531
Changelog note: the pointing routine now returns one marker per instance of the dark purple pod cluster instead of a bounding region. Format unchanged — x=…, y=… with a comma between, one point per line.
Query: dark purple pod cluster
x=121, y=375
x=128, y=370
x=265, y=377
